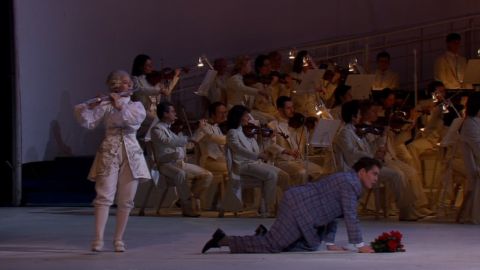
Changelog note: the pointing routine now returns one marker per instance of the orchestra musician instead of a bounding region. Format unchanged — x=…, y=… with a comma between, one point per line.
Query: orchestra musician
x=450, y=67
x=384, y=76
x=276, y=61
x=264, y=107
x=237, y=92
x=217, y=93
x=342, y=94
x=149, y=95
x=211, y=142
x=247, y=159
x=293, y=140
x=470, y=144
x=349, y=147
x=433, y=127
x=305, y=103
x=330, y=82
x=389, y=147
x=170, y=152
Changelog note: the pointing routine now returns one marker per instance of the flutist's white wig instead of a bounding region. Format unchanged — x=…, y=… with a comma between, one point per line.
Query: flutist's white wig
x=115, y=78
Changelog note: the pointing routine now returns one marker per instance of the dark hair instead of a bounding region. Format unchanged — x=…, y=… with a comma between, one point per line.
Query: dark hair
x=453, y=37
x=138, y=63
x=366, y=163
x=340, y=91
x=260, y=62
x=298, y=62
x=383, y=54
x=281, y=100
x=365, y=105
x=386, y=92
x=162, y=108
x=473, y=104
x=239, y=63
x=212, y=108
x=432, y=87
x=274, y=54
x=349, y=110
x=235, y=115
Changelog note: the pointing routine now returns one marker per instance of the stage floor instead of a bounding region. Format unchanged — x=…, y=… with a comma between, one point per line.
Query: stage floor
x=59, y=238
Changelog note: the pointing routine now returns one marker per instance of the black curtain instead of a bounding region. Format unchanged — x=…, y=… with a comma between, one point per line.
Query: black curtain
x=7, y=92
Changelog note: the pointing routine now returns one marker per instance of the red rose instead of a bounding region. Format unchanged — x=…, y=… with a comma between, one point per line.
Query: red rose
x=396, y=234
x=392, y=245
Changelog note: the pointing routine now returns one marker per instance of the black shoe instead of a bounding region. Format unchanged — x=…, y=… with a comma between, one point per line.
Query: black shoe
x=261, y=230
x=178, y=204
x=213, y=243
x=190, y=214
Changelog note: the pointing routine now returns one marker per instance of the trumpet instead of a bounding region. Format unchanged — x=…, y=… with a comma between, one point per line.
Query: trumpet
x=108, y=98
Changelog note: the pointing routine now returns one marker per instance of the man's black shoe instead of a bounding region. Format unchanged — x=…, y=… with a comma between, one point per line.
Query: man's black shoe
x=214, y=242
x=261, y=230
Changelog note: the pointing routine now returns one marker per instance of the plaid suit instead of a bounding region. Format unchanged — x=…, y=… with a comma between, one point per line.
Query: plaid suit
x=303, y=210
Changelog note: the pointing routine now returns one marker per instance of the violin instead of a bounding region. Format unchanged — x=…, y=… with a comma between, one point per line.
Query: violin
x=362, y=129
x=251, y=78
x=162, y=75
x=250, y=130
x=178, y=126
x=223, y=127
x=298, y=120
x=397, y=120
x=283, y=77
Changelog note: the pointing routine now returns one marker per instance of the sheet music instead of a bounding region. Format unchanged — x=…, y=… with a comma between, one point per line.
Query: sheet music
x=472, y=72
x=207, y=83
x=324, y=132
x=311, y=80
x=452, y=133
x=361, y=85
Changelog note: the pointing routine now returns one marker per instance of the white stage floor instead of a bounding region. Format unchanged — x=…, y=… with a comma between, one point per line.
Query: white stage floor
x=59, y=238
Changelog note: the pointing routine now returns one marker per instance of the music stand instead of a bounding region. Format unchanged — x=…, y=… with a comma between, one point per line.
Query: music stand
x=449, y=145
x=323, y=135
x=361, y=85
x=312, y=79
x=452, y=135
x=207, y=83
x=472, y=73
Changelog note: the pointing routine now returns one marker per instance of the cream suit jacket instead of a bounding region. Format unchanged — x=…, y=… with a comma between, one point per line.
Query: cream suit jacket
x=386, y=79
x=245, y=150
x=237, y=91
x=296, y=139
x=450, y=69
x=211, y=141
x=349, y=148
x=168, y=146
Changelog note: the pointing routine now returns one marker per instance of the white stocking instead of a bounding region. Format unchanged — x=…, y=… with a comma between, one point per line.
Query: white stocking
x=101, y=217
x=122, y=219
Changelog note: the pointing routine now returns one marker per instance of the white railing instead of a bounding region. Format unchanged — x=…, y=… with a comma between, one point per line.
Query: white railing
x=428, y=40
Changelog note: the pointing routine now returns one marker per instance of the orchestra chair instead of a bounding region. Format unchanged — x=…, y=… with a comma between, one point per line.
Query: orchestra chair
x=163, y=185
x=238, y=183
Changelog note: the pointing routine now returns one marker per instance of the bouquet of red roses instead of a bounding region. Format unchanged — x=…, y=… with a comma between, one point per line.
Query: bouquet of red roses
x=388, y=242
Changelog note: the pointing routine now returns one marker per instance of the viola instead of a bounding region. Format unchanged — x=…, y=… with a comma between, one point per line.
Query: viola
x=283, y=77
x=298, y=120
x=397, y=120
x=250, y=130
x=362, y=129
x=251, y=78
x=223, y=127
x=178, y=126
